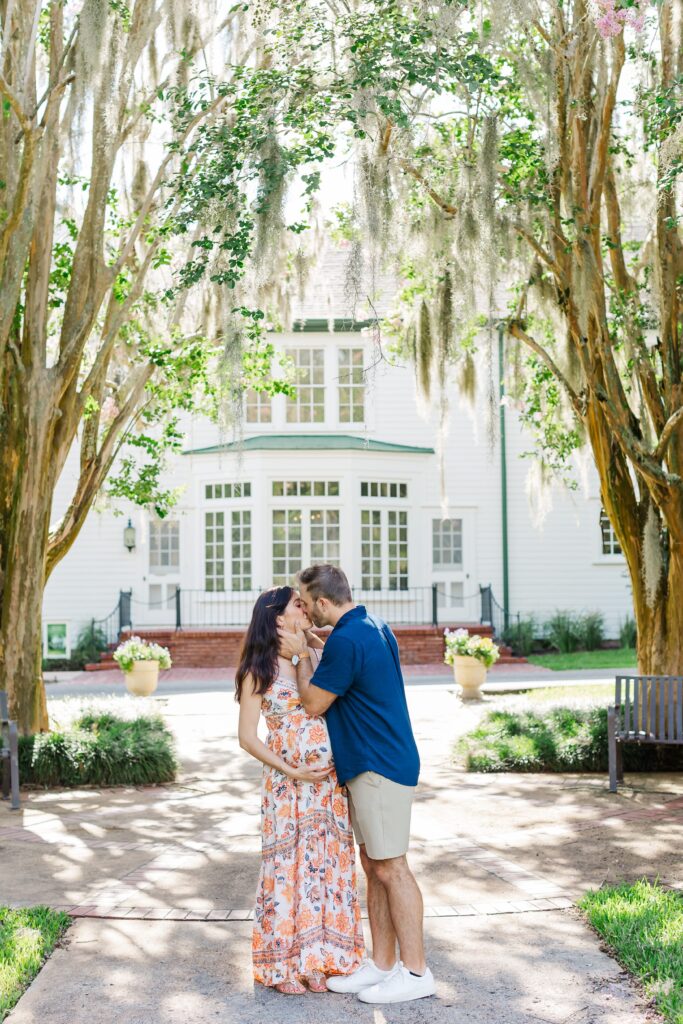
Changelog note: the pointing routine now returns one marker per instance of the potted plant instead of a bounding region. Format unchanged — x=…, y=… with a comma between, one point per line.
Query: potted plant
x=140, y=661
x=471, y=656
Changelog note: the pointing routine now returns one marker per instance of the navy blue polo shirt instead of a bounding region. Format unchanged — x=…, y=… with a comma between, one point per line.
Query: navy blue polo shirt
x=369, y=725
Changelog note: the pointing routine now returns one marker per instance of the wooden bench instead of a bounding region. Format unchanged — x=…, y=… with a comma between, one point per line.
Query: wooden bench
x=647, y=709
x=9, y=754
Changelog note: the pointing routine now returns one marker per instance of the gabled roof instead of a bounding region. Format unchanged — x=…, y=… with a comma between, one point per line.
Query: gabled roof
x=334, y=294
x=309, y=442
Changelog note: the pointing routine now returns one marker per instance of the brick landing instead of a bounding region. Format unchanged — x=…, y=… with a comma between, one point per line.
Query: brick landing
x=220, y=648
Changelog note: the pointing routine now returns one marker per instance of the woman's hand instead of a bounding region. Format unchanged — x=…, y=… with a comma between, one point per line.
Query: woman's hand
x=306, y=773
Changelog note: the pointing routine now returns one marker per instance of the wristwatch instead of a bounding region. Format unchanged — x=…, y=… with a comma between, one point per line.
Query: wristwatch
x=296, y=658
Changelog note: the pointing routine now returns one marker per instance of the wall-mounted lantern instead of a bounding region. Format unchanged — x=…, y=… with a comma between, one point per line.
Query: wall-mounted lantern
x=129, y=536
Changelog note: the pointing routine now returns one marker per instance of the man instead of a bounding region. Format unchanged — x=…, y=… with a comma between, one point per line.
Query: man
x=359, y=687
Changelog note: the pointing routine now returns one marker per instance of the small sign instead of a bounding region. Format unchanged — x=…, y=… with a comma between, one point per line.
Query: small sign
x=57, y=640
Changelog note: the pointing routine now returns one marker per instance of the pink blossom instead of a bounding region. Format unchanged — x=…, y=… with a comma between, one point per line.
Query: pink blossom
x=612, y=16
x=109, y=411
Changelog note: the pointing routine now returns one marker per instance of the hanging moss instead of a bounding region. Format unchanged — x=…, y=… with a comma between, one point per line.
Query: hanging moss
x=445, y=328
x=467, y=377
x=425, y=350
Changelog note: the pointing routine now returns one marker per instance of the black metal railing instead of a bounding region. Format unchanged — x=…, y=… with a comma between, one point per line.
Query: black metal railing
x=492, y=614
x=431, y=605
x=111, y=625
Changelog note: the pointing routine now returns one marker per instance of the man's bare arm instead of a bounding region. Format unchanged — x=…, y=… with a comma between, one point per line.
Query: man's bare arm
x=315, y=700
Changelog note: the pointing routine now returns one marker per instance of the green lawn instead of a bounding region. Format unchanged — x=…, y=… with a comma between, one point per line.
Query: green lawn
x=643, y=923
x=598, y=693
x=27, y=937
x=624, y=657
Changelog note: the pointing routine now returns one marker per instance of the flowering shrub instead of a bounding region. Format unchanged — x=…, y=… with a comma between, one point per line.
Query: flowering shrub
x=480, y=647
x=136, y=649
x=611, y=16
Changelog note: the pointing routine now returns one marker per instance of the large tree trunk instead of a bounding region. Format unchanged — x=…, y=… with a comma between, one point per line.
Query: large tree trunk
x=26, y=474
x=660, y=628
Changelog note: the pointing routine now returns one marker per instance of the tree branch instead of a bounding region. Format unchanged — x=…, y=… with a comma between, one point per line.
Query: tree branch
x=600, y=152
x=94, y=473
x=538, y=249
x=670, y=427
x=442, y=203
x=516, y=330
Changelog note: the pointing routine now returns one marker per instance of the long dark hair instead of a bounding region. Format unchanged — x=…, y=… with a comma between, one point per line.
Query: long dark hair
x=258, y=656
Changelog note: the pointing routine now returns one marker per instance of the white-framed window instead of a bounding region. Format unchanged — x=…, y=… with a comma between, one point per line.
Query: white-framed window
x=325, y=535
x=371, y=549
x=447, y=543
x=397, y=549
x=303, y=536
x=214, y=551
x=240, y=543
x=308, y=405
x=287, y=544
x=610, y=544
x=258, y=407
x=221, y=551
x=164, y=545
x=305, y=488
x=383, y=489
x=223, y=490
x=351, y=386
x=384, y=549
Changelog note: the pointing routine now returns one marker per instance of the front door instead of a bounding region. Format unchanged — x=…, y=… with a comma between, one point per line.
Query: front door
x=453, y=569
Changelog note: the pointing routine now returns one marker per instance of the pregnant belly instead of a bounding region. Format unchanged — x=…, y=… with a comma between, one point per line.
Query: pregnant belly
x=307, y=744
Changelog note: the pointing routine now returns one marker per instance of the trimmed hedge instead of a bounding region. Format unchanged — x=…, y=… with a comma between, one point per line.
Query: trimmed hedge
x=553, y=739
x=100, y=750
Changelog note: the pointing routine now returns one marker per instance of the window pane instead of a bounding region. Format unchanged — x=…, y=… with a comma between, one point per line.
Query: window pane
x=351, y=390
x=164, y=545
x=447, y=543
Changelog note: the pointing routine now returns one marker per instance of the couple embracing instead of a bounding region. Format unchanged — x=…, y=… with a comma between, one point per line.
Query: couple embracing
x=339, y=760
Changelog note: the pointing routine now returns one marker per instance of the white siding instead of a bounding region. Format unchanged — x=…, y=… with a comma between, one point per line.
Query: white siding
x=558, y=565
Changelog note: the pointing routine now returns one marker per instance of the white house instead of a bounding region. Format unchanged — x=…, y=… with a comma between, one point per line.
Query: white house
x=346, y=472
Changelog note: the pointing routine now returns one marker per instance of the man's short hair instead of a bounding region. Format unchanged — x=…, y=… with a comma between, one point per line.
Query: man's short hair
x=326, y=581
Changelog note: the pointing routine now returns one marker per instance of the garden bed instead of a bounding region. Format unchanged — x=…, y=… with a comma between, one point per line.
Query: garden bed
x=27, y=937
x=643, y=926
x=100, y=749
x=549, y=739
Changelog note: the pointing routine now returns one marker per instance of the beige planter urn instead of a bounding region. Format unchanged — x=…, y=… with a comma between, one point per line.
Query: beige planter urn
x=143, y=678
x=470, y=674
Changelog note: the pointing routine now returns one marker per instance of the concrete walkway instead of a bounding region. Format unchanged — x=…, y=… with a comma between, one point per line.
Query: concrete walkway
x=161, y=881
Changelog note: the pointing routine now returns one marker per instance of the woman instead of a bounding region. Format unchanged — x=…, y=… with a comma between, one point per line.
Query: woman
x=307, y=919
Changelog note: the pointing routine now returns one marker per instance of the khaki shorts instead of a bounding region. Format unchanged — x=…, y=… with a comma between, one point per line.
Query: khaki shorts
x=380, y=814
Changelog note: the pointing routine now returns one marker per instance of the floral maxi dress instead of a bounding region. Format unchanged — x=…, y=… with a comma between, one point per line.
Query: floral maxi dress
x=307, y=916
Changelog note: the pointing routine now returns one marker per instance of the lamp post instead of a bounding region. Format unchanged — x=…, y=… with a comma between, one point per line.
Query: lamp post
x=129, y=536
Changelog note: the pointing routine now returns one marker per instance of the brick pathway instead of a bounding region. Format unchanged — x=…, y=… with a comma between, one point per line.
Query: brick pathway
x=175, y=868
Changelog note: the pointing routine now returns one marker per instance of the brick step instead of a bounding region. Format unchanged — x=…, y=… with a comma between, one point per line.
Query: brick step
x=101, y=666
x=220, y=648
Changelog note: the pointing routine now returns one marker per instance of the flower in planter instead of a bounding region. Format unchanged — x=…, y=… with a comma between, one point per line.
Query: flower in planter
x=460, y=642
x=135, y=649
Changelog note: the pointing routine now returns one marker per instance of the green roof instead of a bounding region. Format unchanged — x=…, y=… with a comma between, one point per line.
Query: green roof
x=341, y=324
x=309, y=442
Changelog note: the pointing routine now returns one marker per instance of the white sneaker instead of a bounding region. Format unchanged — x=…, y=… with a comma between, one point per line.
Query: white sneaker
x=367, y=975
x=399, y=987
